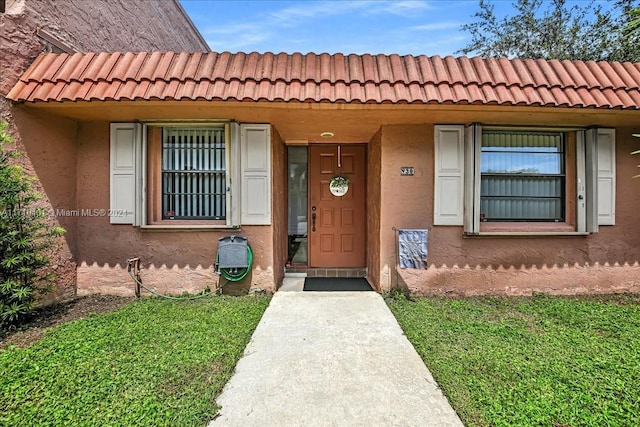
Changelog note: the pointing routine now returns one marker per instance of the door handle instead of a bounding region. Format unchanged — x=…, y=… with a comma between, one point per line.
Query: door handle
x=313, y=218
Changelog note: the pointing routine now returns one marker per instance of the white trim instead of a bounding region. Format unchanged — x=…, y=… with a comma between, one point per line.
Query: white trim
x=529, y=234
x=187, y=227
x=591, y=179
x=186, y=123
x=234, y=176
x=472, y=143
x=141, y=180
x=581, y=183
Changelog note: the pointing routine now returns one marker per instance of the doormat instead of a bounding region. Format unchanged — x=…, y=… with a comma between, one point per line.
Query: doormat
x=336, y=284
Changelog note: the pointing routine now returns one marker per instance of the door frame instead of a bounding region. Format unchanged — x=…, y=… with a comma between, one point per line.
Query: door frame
x=361, y=205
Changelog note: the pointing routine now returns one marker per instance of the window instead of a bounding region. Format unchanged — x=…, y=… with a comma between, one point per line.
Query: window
x=194, y=176
x=522, y=176
x=298, y=167
x=498, y=180
x=190, y=175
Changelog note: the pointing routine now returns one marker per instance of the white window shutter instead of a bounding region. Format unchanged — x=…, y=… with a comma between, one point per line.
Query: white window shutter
x=449, y=175
x=581, y=183
x=472, y=147
x=606, y=142
x=125, y=159
x=255, y=165
x=233, y=176
x=591, y=179
x=140, y=206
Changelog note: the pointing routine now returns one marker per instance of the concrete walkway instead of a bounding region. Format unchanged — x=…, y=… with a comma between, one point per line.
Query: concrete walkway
x=331, y=359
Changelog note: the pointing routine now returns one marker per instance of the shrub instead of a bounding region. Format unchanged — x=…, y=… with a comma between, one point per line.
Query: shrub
x=24, y=239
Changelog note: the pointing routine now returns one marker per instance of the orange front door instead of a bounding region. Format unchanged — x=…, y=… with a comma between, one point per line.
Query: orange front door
x=338, y=223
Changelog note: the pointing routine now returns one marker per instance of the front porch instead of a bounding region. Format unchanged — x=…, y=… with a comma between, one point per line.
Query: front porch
x=304, y=271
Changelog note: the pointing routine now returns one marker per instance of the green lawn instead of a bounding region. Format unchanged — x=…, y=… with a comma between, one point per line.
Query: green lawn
x=152, y=363
x=539, y=361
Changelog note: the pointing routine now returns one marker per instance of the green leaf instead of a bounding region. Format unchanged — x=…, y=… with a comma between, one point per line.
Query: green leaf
x=24, y=236
x=22, y=293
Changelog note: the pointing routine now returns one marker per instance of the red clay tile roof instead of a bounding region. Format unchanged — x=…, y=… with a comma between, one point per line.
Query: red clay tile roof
x=376, y=79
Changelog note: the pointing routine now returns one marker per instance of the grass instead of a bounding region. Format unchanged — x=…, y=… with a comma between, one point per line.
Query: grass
x=153, y=362
x=538, y=361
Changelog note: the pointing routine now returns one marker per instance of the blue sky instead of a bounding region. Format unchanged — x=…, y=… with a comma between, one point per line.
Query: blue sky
x=430, y=27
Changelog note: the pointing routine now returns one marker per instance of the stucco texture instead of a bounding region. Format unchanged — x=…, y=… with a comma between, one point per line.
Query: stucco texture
x=375, y=275
x=49, y=155
x=90, y=26
x=49, y=142
x=602, y=262
x=605, y=262
x=279, y=200
x=173, y=261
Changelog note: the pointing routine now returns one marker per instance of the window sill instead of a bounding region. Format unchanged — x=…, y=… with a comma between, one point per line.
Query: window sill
x=189, y=227
x=527, y=229
x=528, y=234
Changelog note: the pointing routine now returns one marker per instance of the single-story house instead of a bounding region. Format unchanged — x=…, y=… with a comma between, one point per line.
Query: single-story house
x=490, y=175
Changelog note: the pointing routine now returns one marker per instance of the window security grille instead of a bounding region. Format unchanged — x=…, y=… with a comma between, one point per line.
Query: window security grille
x=194, y=173
x=522, y=176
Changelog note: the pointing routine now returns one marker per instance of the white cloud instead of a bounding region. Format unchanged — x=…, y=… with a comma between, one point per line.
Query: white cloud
x=235, y=36
x=401, y=8
x=271, y=26
x=411, y=44
x=320, y=26
x=436, y=26
x=232, y=29
x=301, y=12
x=294, y=16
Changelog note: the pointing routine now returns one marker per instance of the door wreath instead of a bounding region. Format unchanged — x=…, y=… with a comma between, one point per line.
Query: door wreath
x=339, y=185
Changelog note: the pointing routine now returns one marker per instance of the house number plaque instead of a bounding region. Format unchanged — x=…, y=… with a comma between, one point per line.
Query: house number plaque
x=407, y=171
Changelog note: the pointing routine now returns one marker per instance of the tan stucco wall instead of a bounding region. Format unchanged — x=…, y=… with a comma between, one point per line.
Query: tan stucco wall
x=49, y=141
x=90, y=26
x=49, y=154
x=118, y=25
x=279, y=200
x=172, y=261
x=406, y=200
x=604, y=262
x=374, y=175
x=182, y=260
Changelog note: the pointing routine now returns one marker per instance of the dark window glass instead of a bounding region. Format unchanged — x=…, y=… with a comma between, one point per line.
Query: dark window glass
x=522, y=176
